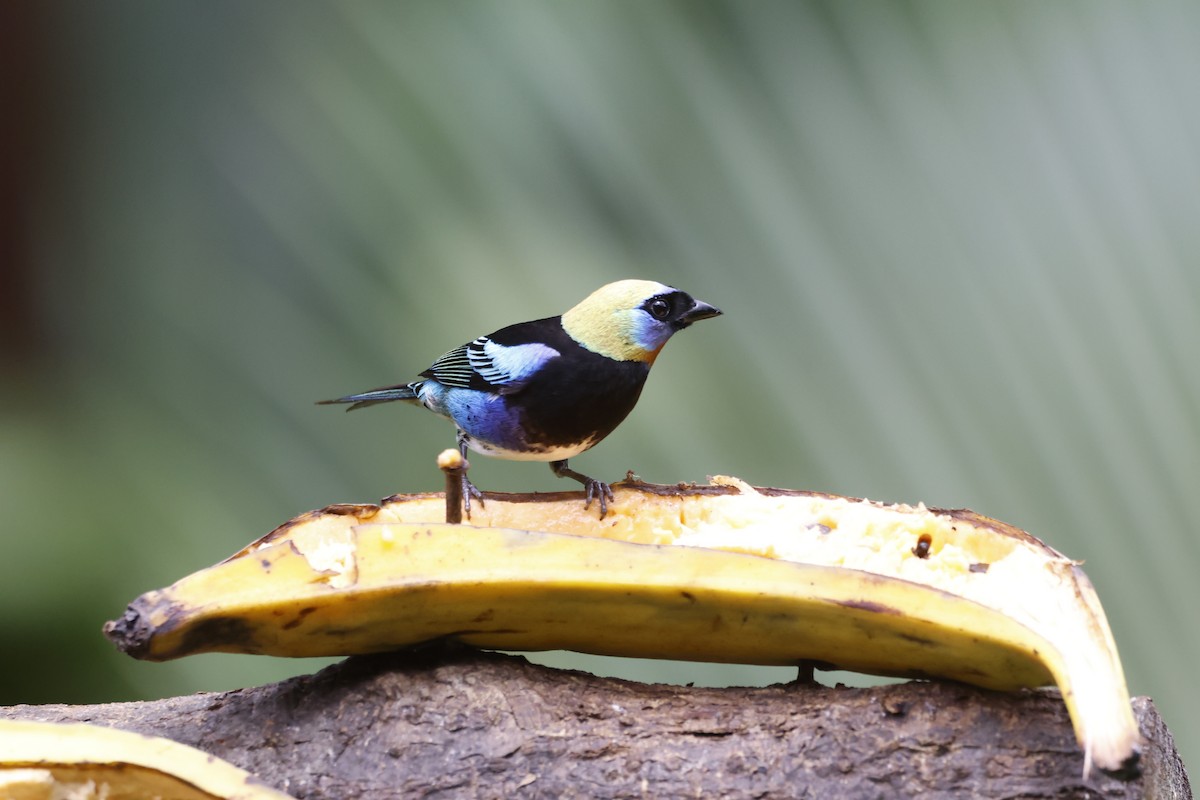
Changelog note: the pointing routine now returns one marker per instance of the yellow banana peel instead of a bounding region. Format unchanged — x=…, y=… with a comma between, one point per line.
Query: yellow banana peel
x=52, y=761
x=725, y=573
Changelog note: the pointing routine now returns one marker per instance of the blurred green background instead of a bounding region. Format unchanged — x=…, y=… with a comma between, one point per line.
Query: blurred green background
x=957, y=245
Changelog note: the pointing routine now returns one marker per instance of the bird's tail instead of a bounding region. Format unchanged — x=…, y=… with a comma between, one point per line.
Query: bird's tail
x=405, y=391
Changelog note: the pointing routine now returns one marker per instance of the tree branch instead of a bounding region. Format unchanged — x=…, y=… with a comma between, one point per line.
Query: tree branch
x=447, y=721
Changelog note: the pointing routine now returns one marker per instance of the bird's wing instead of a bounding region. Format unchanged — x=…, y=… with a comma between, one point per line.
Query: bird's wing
x=489, y=366
x=452, y=369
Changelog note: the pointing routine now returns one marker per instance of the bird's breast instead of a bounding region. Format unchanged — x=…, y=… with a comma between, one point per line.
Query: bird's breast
x=525, y=452
x=579, y=400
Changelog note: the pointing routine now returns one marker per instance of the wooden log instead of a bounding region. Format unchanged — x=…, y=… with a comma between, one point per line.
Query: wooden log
x=452, y=722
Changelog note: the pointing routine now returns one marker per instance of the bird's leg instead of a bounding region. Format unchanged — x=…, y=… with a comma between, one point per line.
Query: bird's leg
x=469, y=489
x=592, y=487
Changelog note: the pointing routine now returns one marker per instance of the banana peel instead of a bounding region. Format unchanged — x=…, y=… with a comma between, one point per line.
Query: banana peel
x=46, y=760
x=725, y=573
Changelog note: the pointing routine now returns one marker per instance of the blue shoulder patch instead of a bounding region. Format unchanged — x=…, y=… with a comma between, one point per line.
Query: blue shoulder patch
x=485, y=365
x=508, y=367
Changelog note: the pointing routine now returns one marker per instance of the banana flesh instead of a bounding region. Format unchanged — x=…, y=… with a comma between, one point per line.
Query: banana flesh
x=53, y=761
x=725, y=573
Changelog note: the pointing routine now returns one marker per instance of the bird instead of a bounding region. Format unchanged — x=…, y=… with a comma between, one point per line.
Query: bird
x=549, y=389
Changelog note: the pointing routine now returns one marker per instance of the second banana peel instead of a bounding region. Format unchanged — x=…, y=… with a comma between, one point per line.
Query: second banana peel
x=78, y=761
x=725, y=573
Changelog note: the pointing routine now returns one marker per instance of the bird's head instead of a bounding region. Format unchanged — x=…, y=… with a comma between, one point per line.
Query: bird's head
x=631, y=320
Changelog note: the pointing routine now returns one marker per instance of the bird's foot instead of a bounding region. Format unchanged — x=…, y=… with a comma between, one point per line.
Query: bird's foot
x=470, y=490
x=592, y=488
x=598, y=490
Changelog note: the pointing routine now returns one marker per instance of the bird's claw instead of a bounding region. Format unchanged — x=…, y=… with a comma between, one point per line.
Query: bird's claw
x=592, y=488
x=470, y=490
x=597, y=490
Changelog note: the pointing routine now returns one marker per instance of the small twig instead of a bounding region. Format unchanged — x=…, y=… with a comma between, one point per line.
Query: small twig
x=454, y=465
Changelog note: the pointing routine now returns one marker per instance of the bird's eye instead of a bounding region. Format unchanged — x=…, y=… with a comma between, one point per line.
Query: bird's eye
x=659, y=308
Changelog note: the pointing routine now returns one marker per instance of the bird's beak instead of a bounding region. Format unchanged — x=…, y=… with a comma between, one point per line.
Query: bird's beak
x=698, y=312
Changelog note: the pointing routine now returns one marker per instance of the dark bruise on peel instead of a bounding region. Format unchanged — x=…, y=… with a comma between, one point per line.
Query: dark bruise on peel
x=299, y=620
x=214, y=634
x=401, y=498
x=482, y=631
x=362, y=511
x=921, y=640
x=868, y=605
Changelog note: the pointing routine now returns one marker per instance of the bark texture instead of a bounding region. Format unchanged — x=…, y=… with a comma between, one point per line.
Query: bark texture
x=448, y=722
